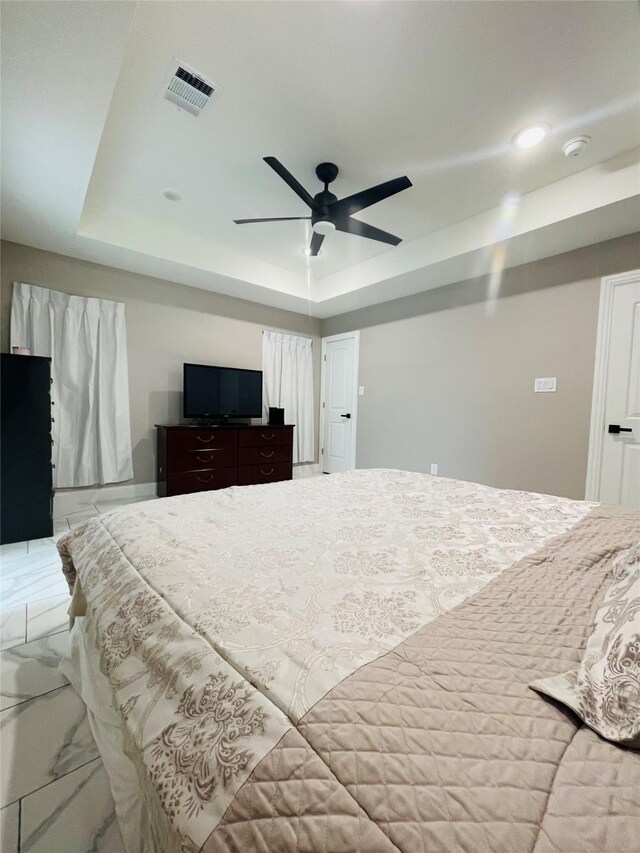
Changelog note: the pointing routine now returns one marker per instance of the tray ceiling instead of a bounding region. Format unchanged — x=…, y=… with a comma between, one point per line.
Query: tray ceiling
x=435, y=91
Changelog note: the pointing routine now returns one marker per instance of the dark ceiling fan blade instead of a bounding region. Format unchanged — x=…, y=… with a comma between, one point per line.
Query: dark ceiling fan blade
x=361, y=229
x=358, y=201
x=316, y=242
x=271, y=219
x=288, y=178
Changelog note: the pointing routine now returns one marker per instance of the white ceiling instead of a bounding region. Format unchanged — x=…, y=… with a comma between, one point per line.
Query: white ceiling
x=434, y=90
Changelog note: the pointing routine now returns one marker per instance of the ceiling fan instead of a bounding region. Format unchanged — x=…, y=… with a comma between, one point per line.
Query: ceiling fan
x=328, y=213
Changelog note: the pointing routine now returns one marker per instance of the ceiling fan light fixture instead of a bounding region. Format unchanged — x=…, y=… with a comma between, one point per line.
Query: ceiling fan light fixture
x=324, y=227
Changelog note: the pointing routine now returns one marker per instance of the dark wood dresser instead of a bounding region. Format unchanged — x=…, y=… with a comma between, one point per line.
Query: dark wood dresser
x=197, y=459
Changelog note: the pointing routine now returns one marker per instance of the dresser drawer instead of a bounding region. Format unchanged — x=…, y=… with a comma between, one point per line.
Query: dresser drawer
x=201, y=439
x=265, y=455
x=265, y=436
x=210, y=457
x=249, y=475
x=201, y=481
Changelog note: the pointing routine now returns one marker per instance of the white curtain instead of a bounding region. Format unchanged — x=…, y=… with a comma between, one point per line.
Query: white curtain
x=287, y=364
x=86, y=339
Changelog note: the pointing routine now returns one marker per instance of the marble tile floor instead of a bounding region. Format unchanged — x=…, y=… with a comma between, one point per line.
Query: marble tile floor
x=54, y=792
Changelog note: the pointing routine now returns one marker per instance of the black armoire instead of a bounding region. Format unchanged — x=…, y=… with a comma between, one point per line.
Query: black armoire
x=26, y=495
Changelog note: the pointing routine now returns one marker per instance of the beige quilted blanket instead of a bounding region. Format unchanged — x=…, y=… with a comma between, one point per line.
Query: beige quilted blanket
x=284, y=683
x=440, y=746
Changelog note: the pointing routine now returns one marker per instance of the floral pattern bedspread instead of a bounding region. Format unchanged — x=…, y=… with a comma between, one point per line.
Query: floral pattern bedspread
x=220, y=618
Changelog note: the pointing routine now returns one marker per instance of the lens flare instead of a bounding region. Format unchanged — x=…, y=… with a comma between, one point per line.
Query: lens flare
x=584, y=122
x=506, y=222
x=309, y=274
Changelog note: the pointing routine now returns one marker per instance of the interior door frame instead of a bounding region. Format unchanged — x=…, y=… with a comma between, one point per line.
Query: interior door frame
x=354, y=414
x=596, y=431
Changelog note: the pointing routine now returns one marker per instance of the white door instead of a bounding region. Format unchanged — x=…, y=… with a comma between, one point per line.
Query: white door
x=618, y=386
x=340, y=369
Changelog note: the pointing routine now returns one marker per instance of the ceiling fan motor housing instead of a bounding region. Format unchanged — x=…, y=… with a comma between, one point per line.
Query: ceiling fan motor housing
x=321, y=219
x=321, y=212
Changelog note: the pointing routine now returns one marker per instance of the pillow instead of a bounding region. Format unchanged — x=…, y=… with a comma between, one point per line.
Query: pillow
x=605, y=689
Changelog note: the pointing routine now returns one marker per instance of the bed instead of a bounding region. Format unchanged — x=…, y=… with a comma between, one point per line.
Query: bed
x=342, y=664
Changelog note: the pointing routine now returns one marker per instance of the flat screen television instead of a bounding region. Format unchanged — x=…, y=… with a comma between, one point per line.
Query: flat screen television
x=221, y=392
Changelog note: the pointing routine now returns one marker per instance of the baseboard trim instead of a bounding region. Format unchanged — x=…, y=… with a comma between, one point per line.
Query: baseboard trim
x=68, y=501
x=306, y=469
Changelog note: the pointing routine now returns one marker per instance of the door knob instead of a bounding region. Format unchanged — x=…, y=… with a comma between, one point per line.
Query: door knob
x=616, y=428
x=345, y=416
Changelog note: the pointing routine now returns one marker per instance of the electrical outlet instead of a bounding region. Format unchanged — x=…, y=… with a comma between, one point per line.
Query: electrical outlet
x=546, y=384
x=434, y=468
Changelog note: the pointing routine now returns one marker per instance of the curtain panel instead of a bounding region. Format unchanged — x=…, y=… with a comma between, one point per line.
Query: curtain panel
x=287, y=365
x=86, y=340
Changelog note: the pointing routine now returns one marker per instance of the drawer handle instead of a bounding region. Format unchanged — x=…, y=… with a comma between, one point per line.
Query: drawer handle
x=203, y=480
x=199, y=437
x=267, y=437
x=208, y=459
x=266, y=473
x=267, y=455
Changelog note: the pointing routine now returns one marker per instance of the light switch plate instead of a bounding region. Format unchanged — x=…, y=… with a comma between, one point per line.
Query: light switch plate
x=545, y=384
x=361, y=391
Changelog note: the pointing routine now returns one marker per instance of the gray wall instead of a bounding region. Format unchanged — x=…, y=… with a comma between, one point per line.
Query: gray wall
x=449, y=378
x=167, y=324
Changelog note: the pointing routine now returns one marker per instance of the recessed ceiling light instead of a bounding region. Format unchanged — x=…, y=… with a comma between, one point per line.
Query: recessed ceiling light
x=307, y=251
x=171, y=195
x=530, y=136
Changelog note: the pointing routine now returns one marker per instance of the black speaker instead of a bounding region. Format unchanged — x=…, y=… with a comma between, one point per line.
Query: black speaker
x=276, y=416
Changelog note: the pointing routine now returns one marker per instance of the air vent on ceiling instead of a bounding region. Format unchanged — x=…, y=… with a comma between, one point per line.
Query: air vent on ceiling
x=188, y=90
